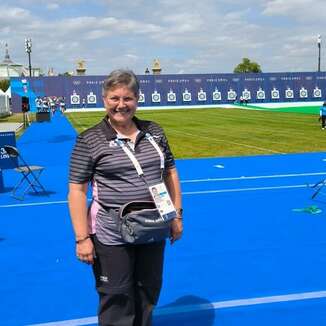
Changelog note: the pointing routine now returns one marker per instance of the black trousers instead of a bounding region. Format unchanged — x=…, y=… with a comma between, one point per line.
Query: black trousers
x=323, y=121
x=128, y=281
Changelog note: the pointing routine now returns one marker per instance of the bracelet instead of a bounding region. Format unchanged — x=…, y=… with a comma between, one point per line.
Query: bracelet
x=83, y=239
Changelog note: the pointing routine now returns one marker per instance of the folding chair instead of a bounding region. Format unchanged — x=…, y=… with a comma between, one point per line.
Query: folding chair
x=318, y=188
x=30, y=174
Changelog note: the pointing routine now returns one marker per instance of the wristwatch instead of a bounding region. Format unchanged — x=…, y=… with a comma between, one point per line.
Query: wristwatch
x=179, y=212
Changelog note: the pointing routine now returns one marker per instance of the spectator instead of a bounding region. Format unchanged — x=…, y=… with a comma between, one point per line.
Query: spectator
x=322, y=116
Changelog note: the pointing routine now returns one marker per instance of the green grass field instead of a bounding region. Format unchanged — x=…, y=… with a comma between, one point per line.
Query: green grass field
x=17, y=117
x=228, y=132
x=313, y=109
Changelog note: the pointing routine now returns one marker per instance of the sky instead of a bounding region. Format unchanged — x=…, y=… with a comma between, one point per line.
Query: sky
x=186, y=36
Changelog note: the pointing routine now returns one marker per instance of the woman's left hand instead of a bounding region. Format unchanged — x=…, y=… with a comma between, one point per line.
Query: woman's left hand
x=176, y=230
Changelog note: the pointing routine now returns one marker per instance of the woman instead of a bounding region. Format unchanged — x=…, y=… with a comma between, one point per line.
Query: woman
x=128, y=277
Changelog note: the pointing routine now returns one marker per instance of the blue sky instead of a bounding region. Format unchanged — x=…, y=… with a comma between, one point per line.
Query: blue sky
x=187, y=36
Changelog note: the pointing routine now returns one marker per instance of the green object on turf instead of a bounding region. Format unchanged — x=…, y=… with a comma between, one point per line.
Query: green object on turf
x=310, y=209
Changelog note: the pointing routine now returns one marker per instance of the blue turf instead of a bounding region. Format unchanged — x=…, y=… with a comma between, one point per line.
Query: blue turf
x=236, y=245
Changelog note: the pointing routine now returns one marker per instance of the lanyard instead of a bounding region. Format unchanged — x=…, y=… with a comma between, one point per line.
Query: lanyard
x=133, y=158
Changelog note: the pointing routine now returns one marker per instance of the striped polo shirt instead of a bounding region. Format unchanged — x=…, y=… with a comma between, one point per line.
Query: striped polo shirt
x=96, y=158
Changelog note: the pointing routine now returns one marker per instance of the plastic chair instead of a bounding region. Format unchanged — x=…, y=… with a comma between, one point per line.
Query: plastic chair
x=30, y=174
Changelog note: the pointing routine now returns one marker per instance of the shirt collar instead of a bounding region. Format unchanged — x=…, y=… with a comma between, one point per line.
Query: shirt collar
x=110, y=133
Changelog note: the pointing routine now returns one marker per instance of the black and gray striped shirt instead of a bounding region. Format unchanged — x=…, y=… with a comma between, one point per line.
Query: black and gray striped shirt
x=96, y=158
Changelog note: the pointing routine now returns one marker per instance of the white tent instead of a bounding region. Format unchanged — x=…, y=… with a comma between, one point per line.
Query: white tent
x=8, y=92
x=4, y=103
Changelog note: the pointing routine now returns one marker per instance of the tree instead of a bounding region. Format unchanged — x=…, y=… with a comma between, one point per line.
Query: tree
x=4, y=84
x=247, y=66
x=67, y=74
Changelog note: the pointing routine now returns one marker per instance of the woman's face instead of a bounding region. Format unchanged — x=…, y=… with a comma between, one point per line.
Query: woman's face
x=121, y=104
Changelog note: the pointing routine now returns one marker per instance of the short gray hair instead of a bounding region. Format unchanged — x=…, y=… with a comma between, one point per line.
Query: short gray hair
x=120, y=77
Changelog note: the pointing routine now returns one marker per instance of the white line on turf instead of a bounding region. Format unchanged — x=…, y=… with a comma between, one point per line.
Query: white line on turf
x=255, y=177
x=161, y=311
x=242, y=189
x=35, y=204
x=217, y=140
x=183, y=193
x=202, y=192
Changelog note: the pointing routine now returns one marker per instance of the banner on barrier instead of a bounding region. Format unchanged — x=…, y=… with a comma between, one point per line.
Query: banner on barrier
x=178, y=90
x=7, y=138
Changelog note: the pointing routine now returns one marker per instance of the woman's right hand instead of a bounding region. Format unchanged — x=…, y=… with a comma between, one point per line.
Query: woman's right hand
x=85, y=251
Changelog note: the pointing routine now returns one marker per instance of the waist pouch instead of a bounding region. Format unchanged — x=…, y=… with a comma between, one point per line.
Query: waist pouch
x=140, y=222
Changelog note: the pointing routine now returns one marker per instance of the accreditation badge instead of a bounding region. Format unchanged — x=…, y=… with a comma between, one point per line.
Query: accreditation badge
x=163, y=201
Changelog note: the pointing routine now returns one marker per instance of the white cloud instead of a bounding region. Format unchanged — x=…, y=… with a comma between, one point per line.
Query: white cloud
x=12, y=15
x=52, y=6
x=186, y=35
x=300, y=10
x=96, y=34
x=131, y=56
